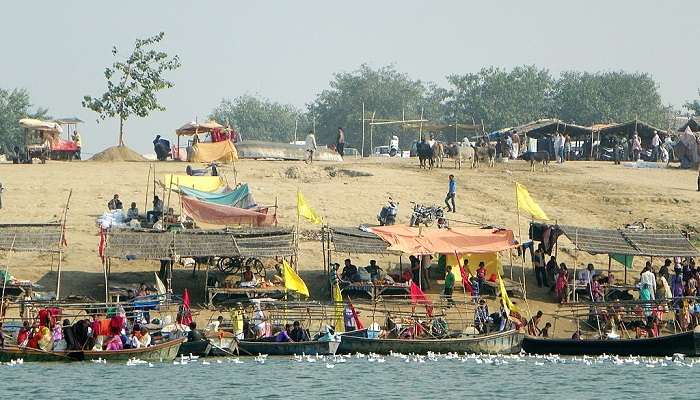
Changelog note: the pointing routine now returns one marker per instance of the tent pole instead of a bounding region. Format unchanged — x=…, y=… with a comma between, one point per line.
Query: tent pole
x=362, y=152
x=520, y=241
x=60, y=245
x=104, y=270
x=148, y=186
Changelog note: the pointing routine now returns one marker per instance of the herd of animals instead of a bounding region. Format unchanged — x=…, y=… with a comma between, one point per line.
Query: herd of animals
x=485, y=153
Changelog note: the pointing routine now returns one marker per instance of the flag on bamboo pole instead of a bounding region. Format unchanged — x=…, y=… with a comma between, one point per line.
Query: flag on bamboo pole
x=305, y=211
x=339, y=309
x=355, y=315
x=292, y=281
x=504, y=295
x=527, y=204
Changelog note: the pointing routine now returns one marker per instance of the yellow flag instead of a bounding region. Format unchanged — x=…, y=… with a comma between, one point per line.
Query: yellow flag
x=504, y=295
x=527, y=204
x=339, y=309
x=292, y=281
x=305, y=211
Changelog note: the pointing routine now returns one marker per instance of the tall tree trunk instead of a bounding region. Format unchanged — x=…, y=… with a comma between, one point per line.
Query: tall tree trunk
x=121, y=132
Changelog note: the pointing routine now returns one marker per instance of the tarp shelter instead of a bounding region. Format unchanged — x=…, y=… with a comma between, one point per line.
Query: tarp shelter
x=239, y=197
x=206, y=152
x=459, y=240
x=549, y=127
x=37, y=124
x=627, y=129
x=203, y=183
x=692, y=123
x=650, y=242
x=216, y=214
x=35, y=238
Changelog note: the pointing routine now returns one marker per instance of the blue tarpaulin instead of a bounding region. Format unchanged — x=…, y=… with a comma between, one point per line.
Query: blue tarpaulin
x=240, y=197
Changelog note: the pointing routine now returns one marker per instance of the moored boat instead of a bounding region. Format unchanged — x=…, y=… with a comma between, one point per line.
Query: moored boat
x=200, y=348
x=166, y=351
x=687, y=343
x=507, y=342
x=255, y=347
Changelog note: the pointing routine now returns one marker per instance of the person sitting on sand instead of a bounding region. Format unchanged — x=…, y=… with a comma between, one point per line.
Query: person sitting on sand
x=132, y=212
x=157, y=210
x=545, y=331
x=115, y=203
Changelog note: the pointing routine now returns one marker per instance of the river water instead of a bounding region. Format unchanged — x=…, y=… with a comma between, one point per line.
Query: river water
x=388, y=377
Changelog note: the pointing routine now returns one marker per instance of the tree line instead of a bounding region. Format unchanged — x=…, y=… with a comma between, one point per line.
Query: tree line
x=493, y=97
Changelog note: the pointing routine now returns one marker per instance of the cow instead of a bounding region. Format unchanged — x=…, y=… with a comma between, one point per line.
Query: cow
x=537, y=157
x=485, y=152
x=459, y=152
x=425, y=154
x=438, y=154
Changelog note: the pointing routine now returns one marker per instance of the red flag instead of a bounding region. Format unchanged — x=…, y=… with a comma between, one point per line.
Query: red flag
x=418, y=297
x=355, y=316
x=103, y=243
x=186, y=314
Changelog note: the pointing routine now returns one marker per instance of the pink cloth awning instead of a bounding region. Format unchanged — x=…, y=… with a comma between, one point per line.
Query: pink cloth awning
x=445, y=241
x=216, y=214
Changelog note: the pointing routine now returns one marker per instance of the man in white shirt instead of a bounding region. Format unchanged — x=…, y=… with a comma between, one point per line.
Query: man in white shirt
x=655, y=143
x=648, y=278
x=310, y=147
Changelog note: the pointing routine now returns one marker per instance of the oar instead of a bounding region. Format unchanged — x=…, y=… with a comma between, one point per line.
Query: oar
x=238, y=348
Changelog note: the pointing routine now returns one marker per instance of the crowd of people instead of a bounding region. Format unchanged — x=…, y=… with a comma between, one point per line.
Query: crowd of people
x=110, y=332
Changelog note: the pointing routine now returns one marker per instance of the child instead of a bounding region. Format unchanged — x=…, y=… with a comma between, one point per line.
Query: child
x=545, y=331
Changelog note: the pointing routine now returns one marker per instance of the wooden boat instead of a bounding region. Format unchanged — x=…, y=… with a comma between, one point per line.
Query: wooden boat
x=507, y=342
x=687, y=343
x=199, y=348
x=166, y=351
x=255, y=347
x=222, y=346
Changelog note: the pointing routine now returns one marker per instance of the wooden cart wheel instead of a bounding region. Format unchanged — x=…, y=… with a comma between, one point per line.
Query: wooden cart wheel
x=256, y=266
x=230, y=265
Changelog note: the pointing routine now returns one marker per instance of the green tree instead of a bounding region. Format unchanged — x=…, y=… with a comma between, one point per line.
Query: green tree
x=616, y=96
x=387, y=94
x=500, y=98
x=693, y=106
x=261, y=119
x=132, y=84
x=15, y=104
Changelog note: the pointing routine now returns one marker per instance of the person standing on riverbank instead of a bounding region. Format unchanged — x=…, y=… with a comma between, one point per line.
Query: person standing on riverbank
x=451, y=193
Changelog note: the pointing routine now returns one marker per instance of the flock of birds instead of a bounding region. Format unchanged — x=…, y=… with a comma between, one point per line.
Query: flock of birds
x=484, y=359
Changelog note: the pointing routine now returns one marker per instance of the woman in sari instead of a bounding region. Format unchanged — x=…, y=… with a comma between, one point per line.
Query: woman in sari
x=562, y=285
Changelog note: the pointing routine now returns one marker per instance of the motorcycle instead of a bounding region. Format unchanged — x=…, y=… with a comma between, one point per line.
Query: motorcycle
x=427, y=215
x=387, y=216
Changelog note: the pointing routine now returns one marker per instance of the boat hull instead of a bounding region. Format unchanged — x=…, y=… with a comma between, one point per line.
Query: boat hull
x=253, y=348
x=687, y=343
x=200, y=348
x=166, y=351
x=508, y=342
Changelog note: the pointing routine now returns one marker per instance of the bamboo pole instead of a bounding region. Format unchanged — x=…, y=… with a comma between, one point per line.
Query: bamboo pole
x=60, y=245
x=363, y=130
x=148, y=185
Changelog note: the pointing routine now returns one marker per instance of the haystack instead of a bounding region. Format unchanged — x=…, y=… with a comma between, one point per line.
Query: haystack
x=118, y=153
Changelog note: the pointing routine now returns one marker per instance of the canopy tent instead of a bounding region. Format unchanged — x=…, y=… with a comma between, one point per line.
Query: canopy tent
x=207, y=152
x=193, y=128
x=240, y=197
x=37, y=124
x=626, y=129
x=652, y=243
x=216, y=214
x=445, y=241
x=203, y=183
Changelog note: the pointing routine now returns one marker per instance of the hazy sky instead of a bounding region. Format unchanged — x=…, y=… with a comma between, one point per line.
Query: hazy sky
x=288, y=51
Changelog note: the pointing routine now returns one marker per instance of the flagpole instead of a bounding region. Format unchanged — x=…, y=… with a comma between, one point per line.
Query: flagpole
x=296, y=249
